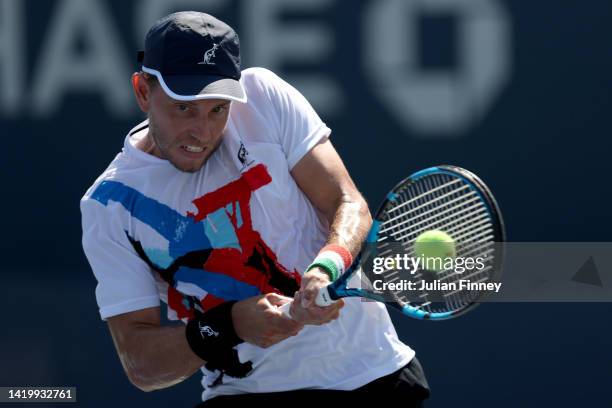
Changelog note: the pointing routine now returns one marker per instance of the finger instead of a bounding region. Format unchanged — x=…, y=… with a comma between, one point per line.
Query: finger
x=307, y=298
x=286, y=325
x=326, y=313
x=302, y=316
x=330, y=317
x=297, y=299
x=282, y=323
x=298, y=313
x=335, y=306
x=326, y=310
x=277, y=300
x=293, y=331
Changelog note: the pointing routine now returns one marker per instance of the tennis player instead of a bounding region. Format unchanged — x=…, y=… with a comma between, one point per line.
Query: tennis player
x=225, y=203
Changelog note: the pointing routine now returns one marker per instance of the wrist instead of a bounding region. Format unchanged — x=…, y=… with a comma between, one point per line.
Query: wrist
x=212, y=337
x=325, y=267
x=212, y=330
x=333, y=260
x=318, y=274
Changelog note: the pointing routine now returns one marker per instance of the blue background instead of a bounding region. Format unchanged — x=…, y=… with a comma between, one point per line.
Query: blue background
x=543, y=146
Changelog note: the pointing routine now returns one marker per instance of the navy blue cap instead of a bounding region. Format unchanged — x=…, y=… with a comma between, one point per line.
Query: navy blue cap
x=194, y=56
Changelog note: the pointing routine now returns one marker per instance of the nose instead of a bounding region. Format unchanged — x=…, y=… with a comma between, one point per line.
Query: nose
x=199, y=129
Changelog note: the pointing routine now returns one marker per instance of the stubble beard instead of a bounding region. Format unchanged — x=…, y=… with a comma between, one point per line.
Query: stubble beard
x=163, y=149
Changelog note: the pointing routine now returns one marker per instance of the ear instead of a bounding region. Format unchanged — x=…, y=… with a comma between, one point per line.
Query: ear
x=141, y=91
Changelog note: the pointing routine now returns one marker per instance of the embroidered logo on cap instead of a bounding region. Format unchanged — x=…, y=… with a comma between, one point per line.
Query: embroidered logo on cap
x=209, y=55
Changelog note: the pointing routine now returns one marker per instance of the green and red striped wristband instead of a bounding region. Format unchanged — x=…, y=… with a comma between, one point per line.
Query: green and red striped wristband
x=332, y=259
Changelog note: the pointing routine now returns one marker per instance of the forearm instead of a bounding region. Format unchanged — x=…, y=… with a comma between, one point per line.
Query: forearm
x=350, y=223
x=321, y=175
x=156, y=357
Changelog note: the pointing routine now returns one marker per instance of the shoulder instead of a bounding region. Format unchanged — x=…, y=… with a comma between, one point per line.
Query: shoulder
x=258, y=119
x=91, y=196
x=258, y=76
x=261, y=82
x=113, y=173
x=124, y=164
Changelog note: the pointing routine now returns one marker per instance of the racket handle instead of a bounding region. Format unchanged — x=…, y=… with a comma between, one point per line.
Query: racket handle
x=323, y=299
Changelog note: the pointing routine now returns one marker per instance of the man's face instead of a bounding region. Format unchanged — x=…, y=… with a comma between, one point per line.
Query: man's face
x=186, y=133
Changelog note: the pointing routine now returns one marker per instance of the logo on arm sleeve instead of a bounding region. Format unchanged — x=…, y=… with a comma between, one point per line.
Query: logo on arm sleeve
x=207, y=331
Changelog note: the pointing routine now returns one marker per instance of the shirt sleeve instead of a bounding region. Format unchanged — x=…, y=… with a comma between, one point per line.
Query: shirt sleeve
x=299, y=127
x=125, y=281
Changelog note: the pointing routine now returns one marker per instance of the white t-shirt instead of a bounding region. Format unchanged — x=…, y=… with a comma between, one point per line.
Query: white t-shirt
x=237, y=228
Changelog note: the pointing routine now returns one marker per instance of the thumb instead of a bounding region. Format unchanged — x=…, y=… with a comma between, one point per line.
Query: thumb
x=277, y=300
x=307, y=298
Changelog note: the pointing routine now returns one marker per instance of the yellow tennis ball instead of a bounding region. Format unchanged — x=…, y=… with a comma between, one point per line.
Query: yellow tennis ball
x=436, y=248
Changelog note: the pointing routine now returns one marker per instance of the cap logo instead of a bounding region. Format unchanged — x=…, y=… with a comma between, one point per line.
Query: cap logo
x=209, y=55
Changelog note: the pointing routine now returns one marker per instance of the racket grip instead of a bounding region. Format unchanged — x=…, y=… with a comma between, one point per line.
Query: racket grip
x=323, y=299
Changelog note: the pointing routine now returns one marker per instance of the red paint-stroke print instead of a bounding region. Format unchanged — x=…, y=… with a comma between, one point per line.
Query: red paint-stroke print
x=255, y=263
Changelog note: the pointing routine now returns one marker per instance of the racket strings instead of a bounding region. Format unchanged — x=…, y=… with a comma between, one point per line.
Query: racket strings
x=432, y=210
x=447, y=203
x=413, y=209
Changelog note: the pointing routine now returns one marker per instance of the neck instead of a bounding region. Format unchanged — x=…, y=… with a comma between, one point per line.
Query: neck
x=146, y=144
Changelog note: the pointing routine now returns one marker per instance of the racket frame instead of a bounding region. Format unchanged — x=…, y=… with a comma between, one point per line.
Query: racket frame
x=338, y=289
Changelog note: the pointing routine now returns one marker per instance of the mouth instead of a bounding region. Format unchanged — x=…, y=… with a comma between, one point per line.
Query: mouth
x=192, y=149
x=193, y=152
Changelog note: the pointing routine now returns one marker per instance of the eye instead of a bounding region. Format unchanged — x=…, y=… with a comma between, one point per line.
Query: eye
x=182, y=107
x=219, y=108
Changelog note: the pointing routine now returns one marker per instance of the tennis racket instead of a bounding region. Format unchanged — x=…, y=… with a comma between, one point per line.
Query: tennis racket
x=443, y=198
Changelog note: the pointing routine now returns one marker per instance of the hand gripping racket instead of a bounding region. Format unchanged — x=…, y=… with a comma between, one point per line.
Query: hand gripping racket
x=443, y=198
